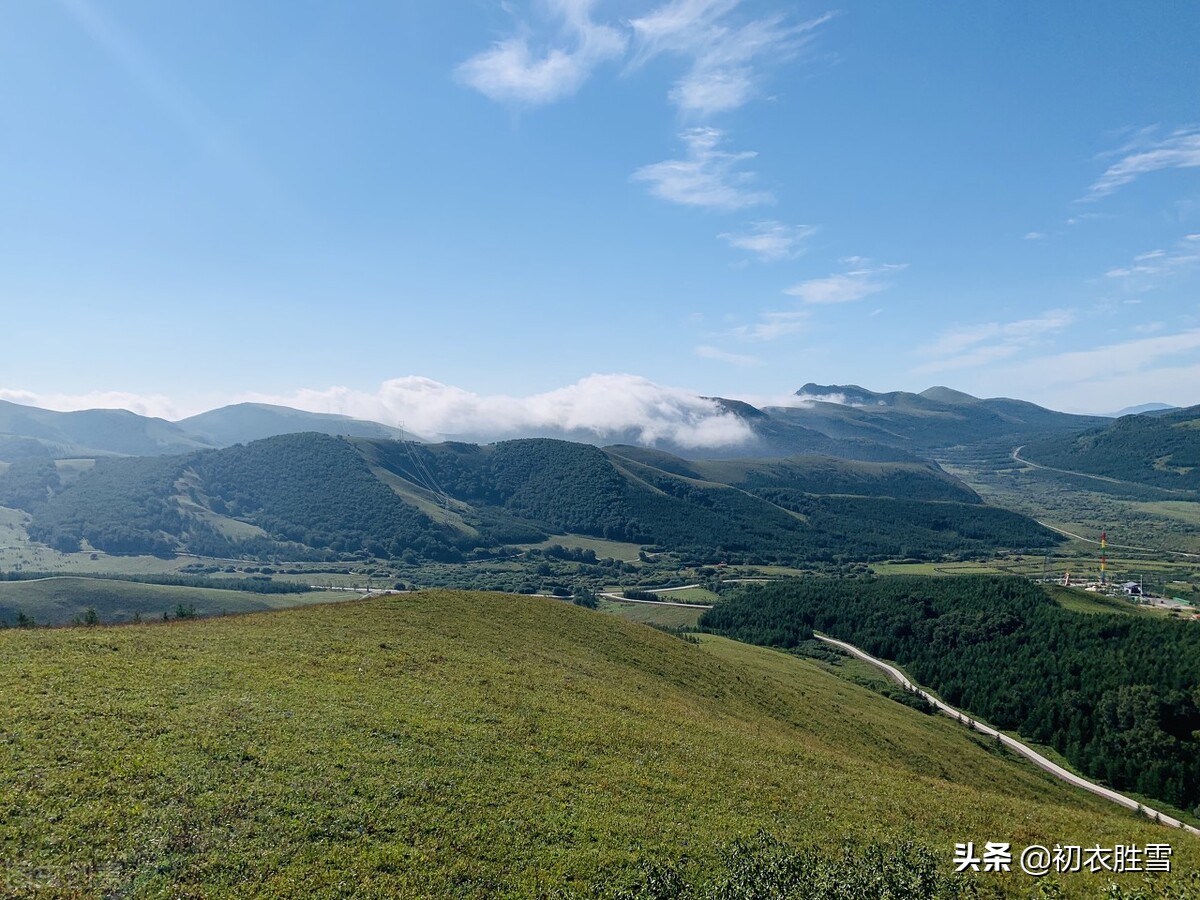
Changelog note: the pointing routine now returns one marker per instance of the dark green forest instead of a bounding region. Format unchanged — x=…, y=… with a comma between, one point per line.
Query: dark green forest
x=1117, y=695
x=1161, y=451
x=120, y=506
x=317, y=491
x=318, y=498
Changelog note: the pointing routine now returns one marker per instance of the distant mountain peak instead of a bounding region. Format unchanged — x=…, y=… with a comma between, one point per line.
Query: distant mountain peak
x=738, y=408
x=941, y=394
x=1141, y=408
x=845, y=394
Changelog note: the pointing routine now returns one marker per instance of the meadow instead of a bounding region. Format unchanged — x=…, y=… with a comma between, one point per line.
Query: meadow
x=475, y=745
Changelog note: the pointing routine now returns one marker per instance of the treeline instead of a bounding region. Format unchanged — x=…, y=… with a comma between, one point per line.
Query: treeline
x=120, y=506
x=822, y=475
x=16, y=449
x=1117, y=695
x=318, y=491
x=28, y=481
x=884, y=527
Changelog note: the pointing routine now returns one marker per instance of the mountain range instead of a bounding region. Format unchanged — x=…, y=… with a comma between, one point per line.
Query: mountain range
x=315, y=497
x=846, y=421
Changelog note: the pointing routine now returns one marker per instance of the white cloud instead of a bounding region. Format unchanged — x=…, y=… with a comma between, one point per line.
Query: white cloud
x=1164, y=368
x=724, y=54
x=772, y=326
x=513, y=71
x=706, y=177
x=1149, y=269
x=1117, y=359
x=771, y=241
x=977, y=345
x=600, y=406
x=1035, y=236
x=1180, y=150
x=862, y=280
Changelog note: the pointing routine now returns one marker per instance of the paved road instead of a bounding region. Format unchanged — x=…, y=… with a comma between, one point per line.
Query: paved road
x=1080, y=537
x=1029, y=753
x=1016, y=455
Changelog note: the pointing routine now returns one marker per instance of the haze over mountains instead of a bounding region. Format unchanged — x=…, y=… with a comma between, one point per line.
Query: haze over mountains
x=840, y=420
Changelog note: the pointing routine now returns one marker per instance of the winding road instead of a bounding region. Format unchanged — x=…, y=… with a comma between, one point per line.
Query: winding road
x=1029, y=753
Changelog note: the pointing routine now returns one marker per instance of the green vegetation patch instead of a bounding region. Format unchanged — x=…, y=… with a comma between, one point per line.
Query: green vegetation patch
x=469, y=745
x=62, y=600
x=1118, y=695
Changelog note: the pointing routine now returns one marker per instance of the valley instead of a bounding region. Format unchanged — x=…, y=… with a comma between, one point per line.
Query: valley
x=473, y=617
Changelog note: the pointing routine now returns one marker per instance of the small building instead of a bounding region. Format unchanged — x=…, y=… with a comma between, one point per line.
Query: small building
x=1132, y=588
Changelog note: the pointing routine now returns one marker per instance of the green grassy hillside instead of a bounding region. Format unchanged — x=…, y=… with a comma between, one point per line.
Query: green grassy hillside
x=57, y=601
x=471, y=745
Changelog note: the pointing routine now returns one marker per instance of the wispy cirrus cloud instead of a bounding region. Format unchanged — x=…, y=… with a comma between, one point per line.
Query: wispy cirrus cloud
x=518, y=70
x=706, y=177
x=977, y=345
x=773, y=325
x=1145, y=154
x=725, y=55
x=771, y=241
x=862, y=279
x=1151, y=268
x=550, y=60
x=707, y=351
x=1164, y=368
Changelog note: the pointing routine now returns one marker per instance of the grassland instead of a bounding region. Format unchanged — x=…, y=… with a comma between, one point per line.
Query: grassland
x=57, y=601
x=1088, y=602
x=469, y=745
x=651, y=614
x=621, y=550
x=689, y=595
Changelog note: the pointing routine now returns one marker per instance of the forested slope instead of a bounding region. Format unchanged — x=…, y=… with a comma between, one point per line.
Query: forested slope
x=312, y=496
x=1118, y=695
x=1158, y=450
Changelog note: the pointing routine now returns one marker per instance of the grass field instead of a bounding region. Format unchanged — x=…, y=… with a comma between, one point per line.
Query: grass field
x=689, y=595
x=648, y=613
x=1088, y=602
x=57, y=601
x=610, y=549
x=470, y=745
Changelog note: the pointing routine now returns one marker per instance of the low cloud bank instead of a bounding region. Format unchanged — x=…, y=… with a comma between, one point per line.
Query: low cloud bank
x=603, y=406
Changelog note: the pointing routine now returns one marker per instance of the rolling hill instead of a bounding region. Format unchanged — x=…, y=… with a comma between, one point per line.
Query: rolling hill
x=61, y=600
x=1160, y=450
x=918, y=423
x=860, y=425
x=246, y=422
x=311, y=496
x=90, y=432
x=483, y=745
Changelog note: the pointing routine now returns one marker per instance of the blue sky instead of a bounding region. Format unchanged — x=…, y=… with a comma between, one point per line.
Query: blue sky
x=410, y=210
